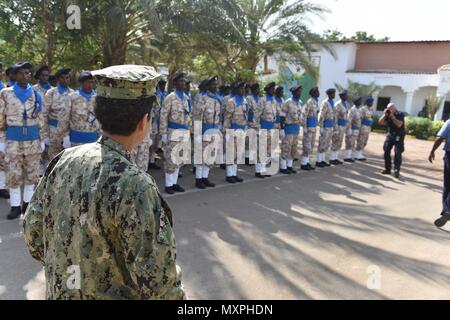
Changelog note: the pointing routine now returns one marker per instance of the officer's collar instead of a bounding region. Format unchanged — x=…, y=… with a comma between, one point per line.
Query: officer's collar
x=114, y=145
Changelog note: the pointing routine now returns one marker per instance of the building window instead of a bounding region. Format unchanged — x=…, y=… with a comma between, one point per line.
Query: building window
x=383, y=103
x=446, y=113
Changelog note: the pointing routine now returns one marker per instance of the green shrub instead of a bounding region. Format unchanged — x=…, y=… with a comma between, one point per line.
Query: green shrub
x=422, y=128
x=375, y=125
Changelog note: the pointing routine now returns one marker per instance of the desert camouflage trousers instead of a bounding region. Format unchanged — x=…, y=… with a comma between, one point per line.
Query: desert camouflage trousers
x=350, y=140
x=55, y=143
x=325, y=140
x=141, y=155
x=177, y=153
x=338, y=138
x=309, y=139
x=22, y=169
x=289, y=147
x=363, y=138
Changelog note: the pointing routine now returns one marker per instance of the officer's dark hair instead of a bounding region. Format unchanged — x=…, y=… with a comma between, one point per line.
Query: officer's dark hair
x=121, y=116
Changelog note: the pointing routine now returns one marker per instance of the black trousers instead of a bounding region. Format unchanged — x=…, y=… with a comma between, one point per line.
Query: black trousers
x=446, y=193
x=398, y=143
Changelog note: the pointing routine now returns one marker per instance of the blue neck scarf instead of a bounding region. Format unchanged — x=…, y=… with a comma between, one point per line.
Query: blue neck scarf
x=279, y=100
x=256, y=99
x=23, y=93
x=269, y=98
x=87, y=95
x=297, y=100
x=215, y=97
x=344, y=103
x=1, y=84
x=45, y=85
x=180, y=94
x=316, y=99
x=331, y=102
x=10, y=83
x=239, y=100
x=62, y=90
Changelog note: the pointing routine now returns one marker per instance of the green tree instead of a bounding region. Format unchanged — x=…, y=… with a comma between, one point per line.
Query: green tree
x=433, y=105
x=356, y=89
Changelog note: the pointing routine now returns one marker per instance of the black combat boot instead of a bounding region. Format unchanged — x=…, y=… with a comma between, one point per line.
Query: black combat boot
x=169, y=190
x=208, y=183
x=177, y=188
x=291, y=170
x=310, y=167
x=285, y=171
x=14, y=213
x=230, y=180
x=24, y=207
x=320, y=165
x=4, y=194
x=259, y=175
x=199, y=184
x=349, y=160
x=238, y=179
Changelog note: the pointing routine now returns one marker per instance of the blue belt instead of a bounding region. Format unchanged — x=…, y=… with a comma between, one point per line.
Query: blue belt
x=53, y=122
x=367, y=122
x=174, y=125
x=250, y=116
x=83, y=137
x=311, y=122
x=235, y=126
x=277, y=119
x=208, y=126
x=268, y=125
x=22, y=133
x=342, y=122
x=328, y=123
x=292, y=128
x=355, y=127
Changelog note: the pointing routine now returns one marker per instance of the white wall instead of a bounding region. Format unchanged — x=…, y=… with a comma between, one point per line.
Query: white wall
x=396, y=94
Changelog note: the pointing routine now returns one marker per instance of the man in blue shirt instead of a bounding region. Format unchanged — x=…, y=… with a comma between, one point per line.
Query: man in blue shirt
x=443, y=135
x=395, y=122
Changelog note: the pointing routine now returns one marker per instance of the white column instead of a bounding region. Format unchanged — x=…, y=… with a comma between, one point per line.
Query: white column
x=409, y=101
x=439, y=113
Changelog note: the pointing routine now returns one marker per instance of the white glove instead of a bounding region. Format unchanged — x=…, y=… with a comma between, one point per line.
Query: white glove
x=43, y=146
x=321, y=130
x=282, y=134
x=150, y=141
x=2, y=147
x=164, y=138
x=66, y=142
x=349, y=132
x=46, y=141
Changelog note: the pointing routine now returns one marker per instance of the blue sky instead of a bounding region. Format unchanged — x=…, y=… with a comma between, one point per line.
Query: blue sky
x=397, y=19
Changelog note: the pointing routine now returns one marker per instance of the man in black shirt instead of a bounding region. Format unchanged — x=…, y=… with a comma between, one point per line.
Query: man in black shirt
x=395, y=122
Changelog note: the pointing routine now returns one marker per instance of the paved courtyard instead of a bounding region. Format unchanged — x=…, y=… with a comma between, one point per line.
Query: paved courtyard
x=338, y=233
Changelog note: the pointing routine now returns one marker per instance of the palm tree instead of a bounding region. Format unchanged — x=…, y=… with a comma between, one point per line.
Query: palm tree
x=356, y=89
x=433, y=105
x=280, y=26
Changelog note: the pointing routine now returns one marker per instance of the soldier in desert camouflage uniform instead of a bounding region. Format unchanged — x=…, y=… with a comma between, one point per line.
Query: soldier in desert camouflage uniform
x=326, y=124
x=175, y=123
x=21, y=123
x=366, y=127
x=267, y=116
x=234, y=124
x=353, y=126
x=42, y=74
x=98, y=223
x=79, y=121
x=292, y=110
x=309, y=128
x=340, y=126
x=207, y=112
x=161, y=94
x=3, y=191
x=55, y=104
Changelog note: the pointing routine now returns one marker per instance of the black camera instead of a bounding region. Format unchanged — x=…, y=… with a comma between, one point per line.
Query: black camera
x=388, y=113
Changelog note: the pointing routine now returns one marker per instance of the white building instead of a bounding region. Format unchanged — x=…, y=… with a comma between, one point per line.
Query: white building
x=407, y=72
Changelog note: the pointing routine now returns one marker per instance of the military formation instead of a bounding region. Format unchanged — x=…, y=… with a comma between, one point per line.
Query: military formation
x=40, y=121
